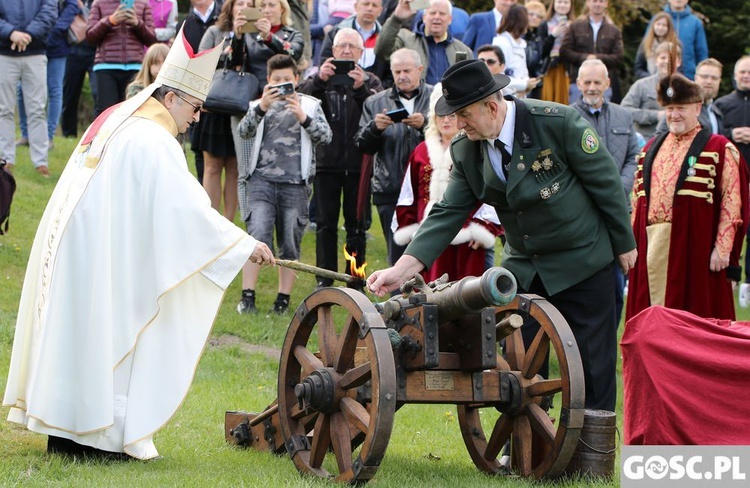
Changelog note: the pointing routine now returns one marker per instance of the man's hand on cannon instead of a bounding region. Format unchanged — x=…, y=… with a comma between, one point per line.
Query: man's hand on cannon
x=387, y=280
x=262, y=255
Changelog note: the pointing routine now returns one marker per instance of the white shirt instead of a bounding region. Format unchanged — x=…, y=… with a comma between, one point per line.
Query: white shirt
x=506, y=137
x=408, y=104
x=209, y=11
x=595, y=26
x=498, y=18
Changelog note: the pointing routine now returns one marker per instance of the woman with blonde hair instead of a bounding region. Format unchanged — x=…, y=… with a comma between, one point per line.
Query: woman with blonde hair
x=538, y=44
x=660, y=30
x=275, y=36
x=556, y=82
x=152, y=61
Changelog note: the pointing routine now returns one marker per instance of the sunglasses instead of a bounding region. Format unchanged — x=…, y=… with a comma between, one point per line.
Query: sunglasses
x=490, y=61
x=196, y=108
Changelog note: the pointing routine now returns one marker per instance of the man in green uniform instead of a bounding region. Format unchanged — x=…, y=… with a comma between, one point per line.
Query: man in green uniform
x=559, y=196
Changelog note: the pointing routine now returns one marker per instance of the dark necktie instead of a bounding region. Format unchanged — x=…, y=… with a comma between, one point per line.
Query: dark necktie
x=505, y=155
x=596, y=114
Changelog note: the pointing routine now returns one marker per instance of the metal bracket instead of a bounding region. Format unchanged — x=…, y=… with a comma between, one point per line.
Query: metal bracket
x=297, y=443
x=524, y=304
x=488, y=346
x=572, y=418
x=476, y=381
x=430, y=332
x=361, y=471
x=400, y=383
x=241, y=434
x=269, y=433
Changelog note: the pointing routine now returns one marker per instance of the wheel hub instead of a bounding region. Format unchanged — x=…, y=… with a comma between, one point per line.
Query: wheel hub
x=316, y=392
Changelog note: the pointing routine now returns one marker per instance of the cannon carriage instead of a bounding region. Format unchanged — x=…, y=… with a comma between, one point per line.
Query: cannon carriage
x=347, y=365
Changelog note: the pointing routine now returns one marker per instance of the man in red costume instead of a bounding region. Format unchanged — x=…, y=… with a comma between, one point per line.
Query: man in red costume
x=690, y=212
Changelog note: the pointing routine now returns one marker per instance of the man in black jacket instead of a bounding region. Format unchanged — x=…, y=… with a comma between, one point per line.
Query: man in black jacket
x=365, y=22
x=736, y=110
x=338, y=163
x=393, y=140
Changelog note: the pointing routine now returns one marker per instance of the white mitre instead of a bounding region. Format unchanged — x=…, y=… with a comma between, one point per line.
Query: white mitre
x=187, y=71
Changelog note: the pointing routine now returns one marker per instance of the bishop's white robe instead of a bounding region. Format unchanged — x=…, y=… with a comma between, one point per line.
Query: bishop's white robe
x=127, y=272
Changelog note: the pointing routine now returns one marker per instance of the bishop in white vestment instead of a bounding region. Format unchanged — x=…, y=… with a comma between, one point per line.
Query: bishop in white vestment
x=126, y=274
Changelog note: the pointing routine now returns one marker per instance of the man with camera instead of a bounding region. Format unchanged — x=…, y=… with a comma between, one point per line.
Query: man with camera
x=391, y=126
x=342, y=86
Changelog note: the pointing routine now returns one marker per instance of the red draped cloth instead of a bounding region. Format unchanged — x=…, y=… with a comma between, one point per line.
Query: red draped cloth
x=686, y=379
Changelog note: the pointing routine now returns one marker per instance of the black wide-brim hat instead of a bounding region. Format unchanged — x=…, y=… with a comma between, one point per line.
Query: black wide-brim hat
x=467, y=82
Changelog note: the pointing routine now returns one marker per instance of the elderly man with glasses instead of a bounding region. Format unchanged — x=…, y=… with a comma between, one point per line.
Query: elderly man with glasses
x=338, y=163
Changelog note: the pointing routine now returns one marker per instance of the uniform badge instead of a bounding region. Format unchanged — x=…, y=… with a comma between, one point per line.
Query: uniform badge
x=547, y=163
x=536, y=166
x=545, y=193
x=589, y=141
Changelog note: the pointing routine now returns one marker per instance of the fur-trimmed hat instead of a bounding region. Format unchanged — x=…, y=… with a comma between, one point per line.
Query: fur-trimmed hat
x=678, y=90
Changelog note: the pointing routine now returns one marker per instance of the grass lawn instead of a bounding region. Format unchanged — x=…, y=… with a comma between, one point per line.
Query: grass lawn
x=237, y=372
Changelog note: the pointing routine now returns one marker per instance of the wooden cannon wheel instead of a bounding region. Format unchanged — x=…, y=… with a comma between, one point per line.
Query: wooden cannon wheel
x=342, y=371
x=541, y=446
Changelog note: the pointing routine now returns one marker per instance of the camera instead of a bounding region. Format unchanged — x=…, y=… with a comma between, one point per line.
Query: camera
x=284, y=89
x=340, y=75
x=398, y=114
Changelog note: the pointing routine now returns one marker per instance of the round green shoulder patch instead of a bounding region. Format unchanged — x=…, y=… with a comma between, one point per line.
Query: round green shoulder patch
x=589, y=141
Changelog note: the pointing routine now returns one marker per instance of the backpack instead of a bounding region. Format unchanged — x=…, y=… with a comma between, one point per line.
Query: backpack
x=7, y=188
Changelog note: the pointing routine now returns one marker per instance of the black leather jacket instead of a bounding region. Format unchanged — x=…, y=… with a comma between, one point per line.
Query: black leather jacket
x=392, y=146
x=343, y=108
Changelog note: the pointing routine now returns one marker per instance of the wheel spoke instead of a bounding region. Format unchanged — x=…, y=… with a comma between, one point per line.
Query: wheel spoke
x=536, y=354
x=502, y=364
x=355, y=413
x=514, y=350
x=342, y=446
x=522, y=445
x=500, y=435
x=297, y=413
x=356, y=377
x=326, y=335
x=307, y=360
x=321, y=441
x=545, y=387
x=541, y=423
x=347, y=345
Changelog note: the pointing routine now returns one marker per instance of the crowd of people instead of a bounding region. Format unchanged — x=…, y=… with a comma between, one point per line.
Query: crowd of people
x=378, y=116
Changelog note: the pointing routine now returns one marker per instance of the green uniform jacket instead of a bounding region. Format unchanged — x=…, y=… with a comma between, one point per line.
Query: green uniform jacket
x=563, y=209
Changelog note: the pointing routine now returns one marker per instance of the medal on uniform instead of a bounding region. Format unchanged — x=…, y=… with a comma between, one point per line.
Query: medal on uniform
x=691, y=162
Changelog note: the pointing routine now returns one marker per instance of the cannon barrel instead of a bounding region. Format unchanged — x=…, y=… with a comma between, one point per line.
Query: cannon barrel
x=496, y=287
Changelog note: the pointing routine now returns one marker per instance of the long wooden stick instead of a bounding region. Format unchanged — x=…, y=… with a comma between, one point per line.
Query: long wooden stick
x=323, y=273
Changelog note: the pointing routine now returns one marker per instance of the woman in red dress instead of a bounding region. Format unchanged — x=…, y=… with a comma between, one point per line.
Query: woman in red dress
x=425, y=180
